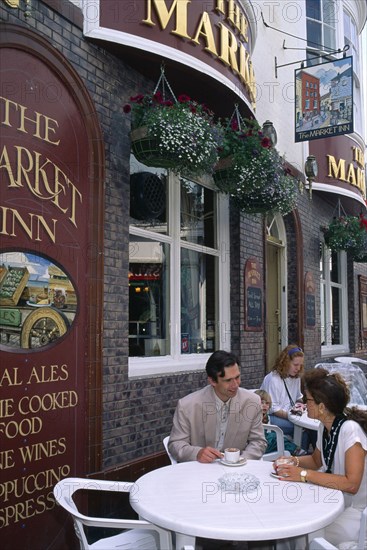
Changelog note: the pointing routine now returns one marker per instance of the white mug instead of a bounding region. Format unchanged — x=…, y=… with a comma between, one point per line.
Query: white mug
x=232, y=455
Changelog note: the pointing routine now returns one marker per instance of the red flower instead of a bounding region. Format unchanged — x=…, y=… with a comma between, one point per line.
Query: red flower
x=363, y=221
x=234, y=125
x=183, y=98
x=137, y=98
x=158, y=97
x=127, y=108
x=266, y=143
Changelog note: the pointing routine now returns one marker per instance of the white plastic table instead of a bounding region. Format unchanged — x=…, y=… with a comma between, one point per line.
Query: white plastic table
x=188, y=499
x=305, y=421
x=301, y=422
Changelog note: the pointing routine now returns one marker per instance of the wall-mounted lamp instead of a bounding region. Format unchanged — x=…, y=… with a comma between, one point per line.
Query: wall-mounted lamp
x=311, y=171
x=269, y=131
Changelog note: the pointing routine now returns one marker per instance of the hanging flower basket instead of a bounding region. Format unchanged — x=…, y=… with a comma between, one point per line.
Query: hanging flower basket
x=148, y=151
x=225, y=173
x=173, y=133
x=251, y=171
x=348, y=233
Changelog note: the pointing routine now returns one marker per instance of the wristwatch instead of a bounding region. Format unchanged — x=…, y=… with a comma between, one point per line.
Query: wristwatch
x=303, y=475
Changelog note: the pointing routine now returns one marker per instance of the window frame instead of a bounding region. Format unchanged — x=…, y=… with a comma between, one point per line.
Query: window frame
x=315, y=54
x=327, y=285
x=177, y=362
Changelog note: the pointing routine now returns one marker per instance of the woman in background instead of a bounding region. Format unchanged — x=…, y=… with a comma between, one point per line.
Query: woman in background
x=283, y=384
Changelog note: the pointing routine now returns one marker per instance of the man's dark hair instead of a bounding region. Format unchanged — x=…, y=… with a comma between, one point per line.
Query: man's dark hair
x=218, y=361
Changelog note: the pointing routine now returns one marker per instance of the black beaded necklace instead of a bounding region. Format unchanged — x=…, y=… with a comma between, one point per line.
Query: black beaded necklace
x=330, y=441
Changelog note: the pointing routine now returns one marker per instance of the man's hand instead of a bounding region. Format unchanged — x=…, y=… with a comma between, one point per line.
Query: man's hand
x=208, y=454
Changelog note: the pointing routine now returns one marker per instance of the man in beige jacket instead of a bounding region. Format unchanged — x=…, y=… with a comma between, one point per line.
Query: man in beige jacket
x=218, y=416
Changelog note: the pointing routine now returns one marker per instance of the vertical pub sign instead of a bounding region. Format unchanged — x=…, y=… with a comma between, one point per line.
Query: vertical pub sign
x=310, y=300
x=45, y=214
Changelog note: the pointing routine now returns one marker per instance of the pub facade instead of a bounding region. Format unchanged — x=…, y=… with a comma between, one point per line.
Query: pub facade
x=120, y=275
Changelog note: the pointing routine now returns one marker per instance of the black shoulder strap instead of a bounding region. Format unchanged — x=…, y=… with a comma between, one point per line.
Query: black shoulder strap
x=289, y=395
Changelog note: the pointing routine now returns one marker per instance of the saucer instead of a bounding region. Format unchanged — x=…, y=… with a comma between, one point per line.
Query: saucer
x=241, y=462
x=277, y=476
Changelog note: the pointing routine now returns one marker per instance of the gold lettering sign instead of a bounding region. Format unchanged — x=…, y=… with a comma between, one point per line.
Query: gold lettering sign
x=12, y=3
x=20, y=418
x=230, y=48
x=340, y=170
x=31, y=170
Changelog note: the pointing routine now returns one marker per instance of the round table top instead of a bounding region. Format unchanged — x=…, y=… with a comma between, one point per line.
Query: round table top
x=189, y=499
x=304, y=421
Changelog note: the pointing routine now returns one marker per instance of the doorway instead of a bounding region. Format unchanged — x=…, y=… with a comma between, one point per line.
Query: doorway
x=276, y=289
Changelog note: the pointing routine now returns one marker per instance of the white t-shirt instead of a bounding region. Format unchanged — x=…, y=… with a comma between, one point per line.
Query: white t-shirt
x=350, y=433
x=344, y=531
x=275, y=387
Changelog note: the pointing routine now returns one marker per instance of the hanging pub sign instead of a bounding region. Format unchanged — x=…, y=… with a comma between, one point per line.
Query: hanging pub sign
x=48, y=261
x=324, y=100
x=254, y=320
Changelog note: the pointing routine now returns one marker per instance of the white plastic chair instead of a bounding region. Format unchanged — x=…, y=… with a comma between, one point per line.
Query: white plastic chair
x=320, y=543
x=280, y=443
x=165, y=443
x=350, y=360
x=140, y=535
x=354, y=378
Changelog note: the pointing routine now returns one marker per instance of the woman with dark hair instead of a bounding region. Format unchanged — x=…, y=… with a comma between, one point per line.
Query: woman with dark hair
x=283, y=384
x=340, y=457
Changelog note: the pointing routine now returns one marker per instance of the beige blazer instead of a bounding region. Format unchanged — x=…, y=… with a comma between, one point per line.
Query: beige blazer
x=194, y=425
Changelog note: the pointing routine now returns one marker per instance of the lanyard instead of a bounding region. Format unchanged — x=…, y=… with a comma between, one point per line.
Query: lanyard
x=330, y=441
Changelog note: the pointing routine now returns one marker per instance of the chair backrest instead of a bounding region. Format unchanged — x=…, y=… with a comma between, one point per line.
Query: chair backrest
x=363, y=530
x=280, y=443
x=141, y=534
x=321, y=544
x=165, y=444
x=345, y=359
x=354, y=378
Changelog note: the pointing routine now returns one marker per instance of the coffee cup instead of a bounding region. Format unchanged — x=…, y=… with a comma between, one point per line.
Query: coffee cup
x=232, y=455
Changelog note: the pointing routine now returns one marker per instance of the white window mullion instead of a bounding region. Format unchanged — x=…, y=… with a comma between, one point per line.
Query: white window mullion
x=223, y=307
x=344, y=293
x=175, y=280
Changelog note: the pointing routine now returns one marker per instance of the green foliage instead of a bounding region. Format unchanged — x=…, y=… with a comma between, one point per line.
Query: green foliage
x=256, y=178
x=182, y=131
x=347, y=233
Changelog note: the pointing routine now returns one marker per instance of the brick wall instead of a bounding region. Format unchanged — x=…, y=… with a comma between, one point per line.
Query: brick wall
x=137, y=414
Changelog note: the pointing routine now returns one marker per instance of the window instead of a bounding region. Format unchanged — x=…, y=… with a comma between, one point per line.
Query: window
x=333, y=301
x=178, y=268
x=321, y=19
x=351, y=38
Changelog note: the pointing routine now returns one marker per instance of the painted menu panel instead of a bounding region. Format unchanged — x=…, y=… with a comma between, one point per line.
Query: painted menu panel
x=44, y=258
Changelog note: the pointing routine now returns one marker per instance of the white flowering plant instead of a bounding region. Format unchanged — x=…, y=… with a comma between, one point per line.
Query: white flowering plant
x=348, y=233
x=178, y=134
x=252, y=172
